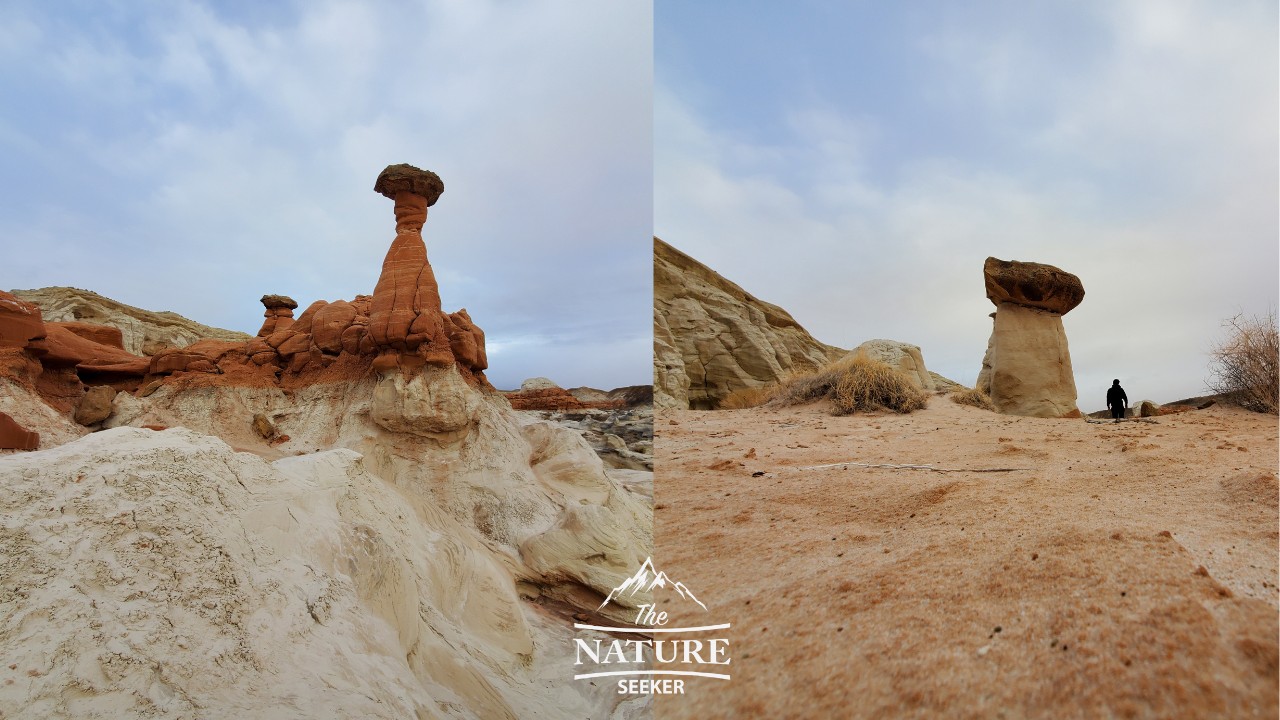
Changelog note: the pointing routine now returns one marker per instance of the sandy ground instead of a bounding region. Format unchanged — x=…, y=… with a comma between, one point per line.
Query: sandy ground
x=1122, y=570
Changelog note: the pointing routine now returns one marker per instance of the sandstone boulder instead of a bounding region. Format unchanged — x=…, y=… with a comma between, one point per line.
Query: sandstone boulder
x=901, y=356
x=95, y=406
x=1033, y=285
x=263, y=426
x=405, y=178
x=330, y=322
x=711, y=337
x=279, y=302
x=538, y=383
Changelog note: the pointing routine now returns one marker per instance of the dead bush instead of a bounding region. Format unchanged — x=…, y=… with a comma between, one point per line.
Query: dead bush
x=974, y=397
x=1246, y=366
x=746, y=398
x=810, y=386
x=870, y=385
x=853, y=384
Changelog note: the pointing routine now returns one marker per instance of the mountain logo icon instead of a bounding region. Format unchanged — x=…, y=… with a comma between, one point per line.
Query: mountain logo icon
x=645, y=580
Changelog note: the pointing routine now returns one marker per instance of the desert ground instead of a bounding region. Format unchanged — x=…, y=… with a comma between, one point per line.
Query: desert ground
x=1120, y=570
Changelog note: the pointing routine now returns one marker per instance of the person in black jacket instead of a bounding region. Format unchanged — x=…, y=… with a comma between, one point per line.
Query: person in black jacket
x=1117, y=400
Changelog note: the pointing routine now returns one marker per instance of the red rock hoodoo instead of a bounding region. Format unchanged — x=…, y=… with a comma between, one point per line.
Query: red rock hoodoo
x=401, y=327
x=279, y=314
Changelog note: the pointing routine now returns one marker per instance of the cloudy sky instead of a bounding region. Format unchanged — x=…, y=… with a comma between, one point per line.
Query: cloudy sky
x=192, y=156
x=856, y=162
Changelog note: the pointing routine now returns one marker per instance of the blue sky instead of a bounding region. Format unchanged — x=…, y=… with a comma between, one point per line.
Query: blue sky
x=192, y=156
x=855, y=163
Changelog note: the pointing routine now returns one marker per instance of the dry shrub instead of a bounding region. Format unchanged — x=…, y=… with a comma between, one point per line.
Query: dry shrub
x=870, y=385
x=746, y=398
x=853, y=384
x=810, y=386
x=974, y=397
x=1246, y=366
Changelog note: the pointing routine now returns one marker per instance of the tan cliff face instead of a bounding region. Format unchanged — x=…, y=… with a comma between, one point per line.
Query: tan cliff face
x=711, y=337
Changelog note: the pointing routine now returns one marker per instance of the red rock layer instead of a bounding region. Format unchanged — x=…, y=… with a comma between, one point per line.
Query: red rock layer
x=557, y=399
x=20, y=322
x=15, y=437
x=544, y=399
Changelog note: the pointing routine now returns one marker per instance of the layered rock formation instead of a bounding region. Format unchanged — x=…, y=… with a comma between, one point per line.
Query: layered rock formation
x=400, y=525
x=202, y=576
x=543, y=394
x=143, y=332
x=400, y=326
x=20, y=321
x=711, y=337
x=1027, y=367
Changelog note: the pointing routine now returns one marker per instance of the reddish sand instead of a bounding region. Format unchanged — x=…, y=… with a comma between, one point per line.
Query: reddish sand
x=1122, y=570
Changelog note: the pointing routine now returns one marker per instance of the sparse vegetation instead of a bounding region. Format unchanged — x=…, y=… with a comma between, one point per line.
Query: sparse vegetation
x=853, y=384
x=974, y=397
x=747, y=398
x=1245, y=368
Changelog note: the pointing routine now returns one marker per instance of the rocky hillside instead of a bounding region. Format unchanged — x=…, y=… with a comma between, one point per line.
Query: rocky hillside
x=143, y=332
x=711, y=337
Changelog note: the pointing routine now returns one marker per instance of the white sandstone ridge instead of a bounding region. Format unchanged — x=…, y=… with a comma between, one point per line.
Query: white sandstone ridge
x=645, y=580
x=163, y=573
x=144, y=332
x=413, y=550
